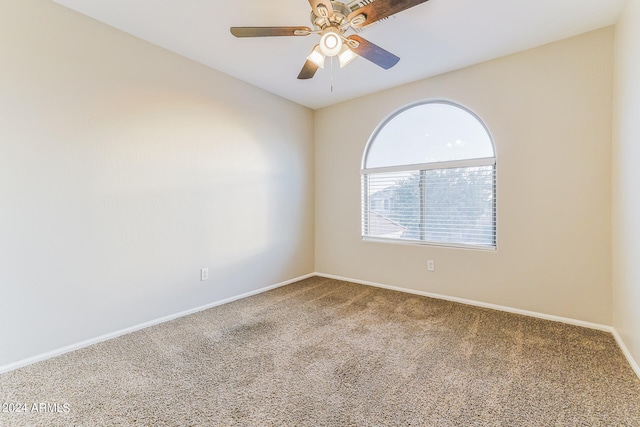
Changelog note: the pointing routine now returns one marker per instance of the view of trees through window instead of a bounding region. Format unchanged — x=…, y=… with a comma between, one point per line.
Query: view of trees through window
x=442, y=205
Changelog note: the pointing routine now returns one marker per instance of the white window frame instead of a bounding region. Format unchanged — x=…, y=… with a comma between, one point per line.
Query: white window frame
x=421, y=167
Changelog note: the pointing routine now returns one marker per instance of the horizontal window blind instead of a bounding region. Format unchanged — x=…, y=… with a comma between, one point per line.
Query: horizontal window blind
x=454, y=206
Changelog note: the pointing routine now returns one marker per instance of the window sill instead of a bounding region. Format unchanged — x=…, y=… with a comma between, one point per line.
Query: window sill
x=485, y=248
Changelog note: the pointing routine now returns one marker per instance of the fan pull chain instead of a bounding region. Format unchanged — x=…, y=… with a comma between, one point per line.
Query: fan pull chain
x=331, y=73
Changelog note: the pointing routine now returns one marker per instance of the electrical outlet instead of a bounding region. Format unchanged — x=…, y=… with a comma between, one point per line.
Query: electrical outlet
x=431, y=265
x=204, y=274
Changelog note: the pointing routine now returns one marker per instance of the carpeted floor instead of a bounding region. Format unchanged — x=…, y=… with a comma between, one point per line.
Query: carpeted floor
x=322, y=352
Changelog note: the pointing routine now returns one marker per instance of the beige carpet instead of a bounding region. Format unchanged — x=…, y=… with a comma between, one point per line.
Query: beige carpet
x=326, y=353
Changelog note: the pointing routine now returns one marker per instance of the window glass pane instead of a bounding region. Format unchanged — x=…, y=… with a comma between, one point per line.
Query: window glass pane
x=394, y=205
x=440, y=206
x=460, y=205
x=427, y=133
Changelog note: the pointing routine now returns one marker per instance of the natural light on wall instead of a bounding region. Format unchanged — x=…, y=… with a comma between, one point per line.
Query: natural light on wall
x=429, y=176
x=154, y=177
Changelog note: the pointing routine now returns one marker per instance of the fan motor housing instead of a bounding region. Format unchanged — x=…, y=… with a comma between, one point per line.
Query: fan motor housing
x=338, y=19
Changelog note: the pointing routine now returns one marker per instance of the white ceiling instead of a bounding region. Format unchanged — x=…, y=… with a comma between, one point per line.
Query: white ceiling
x=431, y=38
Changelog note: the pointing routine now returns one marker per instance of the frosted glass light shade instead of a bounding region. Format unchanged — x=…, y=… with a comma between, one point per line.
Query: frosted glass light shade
x=317, y=57
x=345, y=56
x=330, y=43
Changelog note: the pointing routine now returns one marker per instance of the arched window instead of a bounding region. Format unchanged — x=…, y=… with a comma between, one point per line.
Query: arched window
x=429, y=176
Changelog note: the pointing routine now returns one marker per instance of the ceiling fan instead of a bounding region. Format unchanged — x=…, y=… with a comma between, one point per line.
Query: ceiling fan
x=331, y=20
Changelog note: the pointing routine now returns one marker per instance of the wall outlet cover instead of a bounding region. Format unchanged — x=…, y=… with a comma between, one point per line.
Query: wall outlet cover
x=431, y=265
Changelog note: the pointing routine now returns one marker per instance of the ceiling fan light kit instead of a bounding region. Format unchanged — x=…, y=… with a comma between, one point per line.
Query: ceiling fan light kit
x=331, y=20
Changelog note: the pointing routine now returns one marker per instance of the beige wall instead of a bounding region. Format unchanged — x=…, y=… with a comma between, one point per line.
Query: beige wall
x=124, y=169
x=626, y=181
x=549, y=111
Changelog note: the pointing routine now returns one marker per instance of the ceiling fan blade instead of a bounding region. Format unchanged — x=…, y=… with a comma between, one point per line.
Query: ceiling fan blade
x=373, y=53
x=270, y=31
x=380, y=9
x=322, y=8
x=308, y=71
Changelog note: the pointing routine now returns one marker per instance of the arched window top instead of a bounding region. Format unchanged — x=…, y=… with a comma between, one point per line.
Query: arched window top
x=428, y=132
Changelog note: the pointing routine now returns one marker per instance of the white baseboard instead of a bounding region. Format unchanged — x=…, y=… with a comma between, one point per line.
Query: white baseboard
x=627, y=353
x=477, y=303
x=101, y=338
